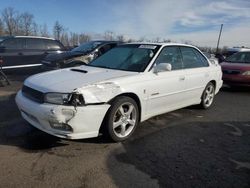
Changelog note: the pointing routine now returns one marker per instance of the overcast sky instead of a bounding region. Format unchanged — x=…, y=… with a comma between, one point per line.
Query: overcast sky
x=180, y=20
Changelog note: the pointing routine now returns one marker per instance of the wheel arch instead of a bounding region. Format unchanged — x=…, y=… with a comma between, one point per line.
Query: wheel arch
x=134, y=97
x=214, y=83
x=127, y=94
x=211, y=81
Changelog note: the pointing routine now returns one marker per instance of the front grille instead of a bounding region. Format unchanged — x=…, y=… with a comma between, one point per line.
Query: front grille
x=231, y=71
x=33, y=94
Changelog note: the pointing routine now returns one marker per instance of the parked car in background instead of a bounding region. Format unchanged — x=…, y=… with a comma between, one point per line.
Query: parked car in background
x=19, y=52
x=80, y=55
x=113, y=93
x=236, y=69
x=220, y=57
x=211, y=58
x=231, y=51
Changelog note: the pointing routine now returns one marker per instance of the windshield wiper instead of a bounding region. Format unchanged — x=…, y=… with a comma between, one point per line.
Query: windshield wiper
x=100, y=66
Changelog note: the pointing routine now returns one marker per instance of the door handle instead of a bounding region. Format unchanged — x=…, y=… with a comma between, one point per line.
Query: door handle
x=20, y=53
x=182, y=78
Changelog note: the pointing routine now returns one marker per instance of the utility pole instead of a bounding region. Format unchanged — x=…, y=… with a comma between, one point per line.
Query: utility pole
x=219, y=39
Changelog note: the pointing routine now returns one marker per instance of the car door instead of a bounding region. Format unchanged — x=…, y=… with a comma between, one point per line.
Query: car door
x=197, y=72
x=34, y=52
x=12, y=52
x=166, y=90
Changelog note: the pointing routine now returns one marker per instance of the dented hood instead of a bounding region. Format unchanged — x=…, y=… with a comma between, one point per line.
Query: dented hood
x=66, y=80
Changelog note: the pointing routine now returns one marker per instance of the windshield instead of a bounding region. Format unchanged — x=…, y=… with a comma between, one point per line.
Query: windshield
x=240, y=57
x=87, y=47
x=130, y=57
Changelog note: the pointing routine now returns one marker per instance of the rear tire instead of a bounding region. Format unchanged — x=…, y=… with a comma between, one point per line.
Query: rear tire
x=207, y=97
x=121, y=119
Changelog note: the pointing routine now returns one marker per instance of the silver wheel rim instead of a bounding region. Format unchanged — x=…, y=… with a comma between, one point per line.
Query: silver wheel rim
x=124, y=120
x=209, y=95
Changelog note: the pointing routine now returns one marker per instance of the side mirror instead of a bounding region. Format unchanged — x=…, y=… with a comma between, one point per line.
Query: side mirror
x=162, y=67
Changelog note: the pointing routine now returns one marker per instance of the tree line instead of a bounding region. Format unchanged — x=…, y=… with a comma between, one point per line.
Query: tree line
x=13, y=22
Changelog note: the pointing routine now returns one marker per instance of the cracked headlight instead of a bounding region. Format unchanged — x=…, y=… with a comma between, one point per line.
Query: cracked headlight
x=57, y=98
x=73, y=99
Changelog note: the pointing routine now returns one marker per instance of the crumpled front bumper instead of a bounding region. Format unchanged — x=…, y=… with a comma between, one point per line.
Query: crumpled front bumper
x=85, y=121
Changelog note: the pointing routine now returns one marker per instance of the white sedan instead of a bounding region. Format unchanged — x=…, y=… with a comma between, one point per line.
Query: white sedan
x=129, y=84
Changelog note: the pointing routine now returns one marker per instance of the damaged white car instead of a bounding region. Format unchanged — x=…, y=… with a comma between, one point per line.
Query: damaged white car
x=111, y=95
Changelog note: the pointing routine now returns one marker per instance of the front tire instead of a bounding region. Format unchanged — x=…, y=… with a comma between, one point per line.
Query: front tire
x=207, y=97
x=122, y=118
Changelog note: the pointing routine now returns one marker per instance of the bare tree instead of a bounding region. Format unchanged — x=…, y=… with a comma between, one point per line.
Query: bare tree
x=142, y=39
x=2, y=32
x=35, y=29
x=167, y=40
x=120, y=38
x=157, y=39
x=74, y=39
x=186, y=41
x=131, y=40
x=109, y=35
x=26, y=23
x=83, y=37
x=58, y=30
x=65, y=39
x=44, y=30
x=9, y=16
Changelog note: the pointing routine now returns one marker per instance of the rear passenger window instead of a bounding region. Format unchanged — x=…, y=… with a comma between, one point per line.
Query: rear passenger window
x=52, y=45
x=15, y=43
x=201, y=57
x=36, y=44
x=172, y=56
x=191, y=58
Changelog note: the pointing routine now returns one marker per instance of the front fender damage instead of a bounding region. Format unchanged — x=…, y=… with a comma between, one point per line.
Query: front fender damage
x=60, y=117
x=99, y=93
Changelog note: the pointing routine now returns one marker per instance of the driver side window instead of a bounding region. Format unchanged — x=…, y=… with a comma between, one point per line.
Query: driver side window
x=172, y=56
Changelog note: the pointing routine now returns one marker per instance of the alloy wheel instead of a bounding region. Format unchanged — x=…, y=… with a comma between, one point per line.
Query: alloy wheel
x=124, y=120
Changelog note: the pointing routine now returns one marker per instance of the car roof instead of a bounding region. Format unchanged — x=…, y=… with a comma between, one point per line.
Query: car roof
x=106, y=41
x=245, y=50
x=238, y=49
x=162, y=44
x=37, y=37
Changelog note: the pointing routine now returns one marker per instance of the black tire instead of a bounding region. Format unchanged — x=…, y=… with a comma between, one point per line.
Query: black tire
x=111, y=115
x=204, y=103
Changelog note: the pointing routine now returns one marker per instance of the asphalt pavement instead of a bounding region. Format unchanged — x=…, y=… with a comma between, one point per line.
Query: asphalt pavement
x=185, y=148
